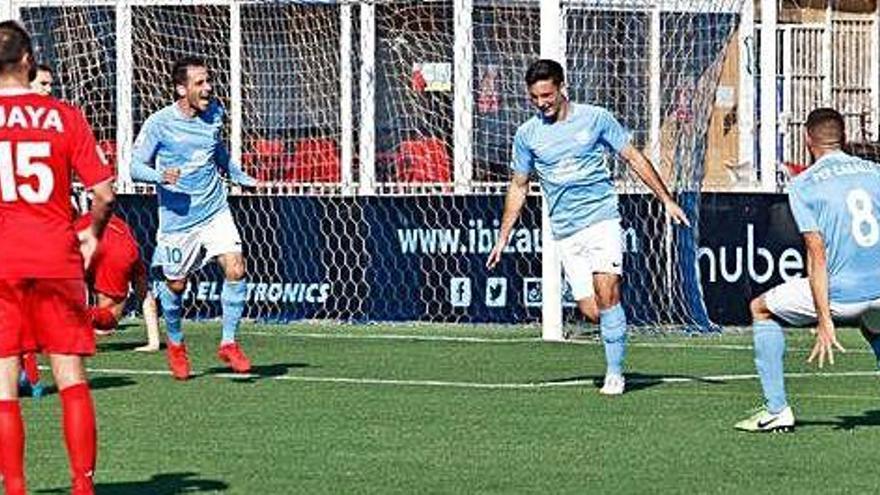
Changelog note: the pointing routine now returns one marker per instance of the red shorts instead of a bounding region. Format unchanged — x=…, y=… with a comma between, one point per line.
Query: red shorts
x=113, y=271
x=47, y=315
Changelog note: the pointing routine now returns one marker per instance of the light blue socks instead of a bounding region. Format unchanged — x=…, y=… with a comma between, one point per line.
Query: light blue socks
x=769, y=352
x=612, y=323
x=232, y=299
x=171, y=303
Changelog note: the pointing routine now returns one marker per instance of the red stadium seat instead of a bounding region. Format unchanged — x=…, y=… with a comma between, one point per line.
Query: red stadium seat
x=423, y=160
x=268, y=160
x=794, y=169
x=315, y=160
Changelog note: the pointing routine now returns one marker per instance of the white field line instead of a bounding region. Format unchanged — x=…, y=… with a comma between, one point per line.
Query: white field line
x=475, y=385
x=515, y=340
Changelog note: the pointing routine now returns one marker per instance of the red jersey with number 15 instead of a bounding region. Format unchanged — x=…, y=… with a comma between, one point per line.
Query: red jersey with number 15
x=42, y=140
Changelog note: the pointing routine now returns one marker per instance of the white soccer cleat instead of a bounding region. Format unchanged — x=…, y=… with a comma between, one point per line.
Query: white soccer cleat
x=765, y=422
x=614, y=385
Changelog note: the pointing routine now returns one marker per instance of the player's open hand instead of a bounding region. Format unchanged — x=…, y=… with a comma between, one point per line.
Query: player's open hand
x=495, y=255
x=88, y=244
x=170, y=176
x=826, y=341
x=675, y=212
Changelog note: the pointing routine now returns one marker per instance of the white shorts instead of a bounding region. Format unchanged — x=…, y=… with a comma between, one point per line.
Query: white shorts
x=792, y=301
x=179, y=253
x=594, y=249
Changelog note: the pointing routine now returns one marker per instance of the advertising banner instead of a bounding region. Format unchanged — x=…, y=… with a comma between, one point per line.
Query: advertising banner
x=423, y=258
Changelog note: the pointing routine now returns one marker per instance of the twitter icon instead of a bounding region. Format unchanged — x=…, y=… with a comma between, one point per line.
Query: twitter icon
x=496, y=292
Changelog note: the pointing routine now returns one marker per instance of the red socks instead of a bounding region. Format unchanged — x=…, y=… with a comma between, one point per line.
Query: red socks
x=12, y=447
x=80, y=435
x=102, y=318
x=29, y=364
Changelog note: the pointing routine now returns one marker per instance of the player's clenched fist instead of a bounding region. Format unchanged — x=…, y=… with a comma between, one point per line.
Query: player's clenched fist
x=170, y=176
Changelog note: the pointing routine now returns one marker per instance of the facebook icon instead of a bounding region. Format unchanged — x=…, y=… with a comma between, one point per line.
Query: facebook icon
x=460, y=292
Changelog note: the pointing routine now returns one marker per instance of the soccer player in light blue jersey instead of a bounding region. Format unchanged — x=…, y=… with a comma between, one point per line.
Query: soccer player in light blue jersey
x=180, y=150
x=835, y=204
x=565, y=145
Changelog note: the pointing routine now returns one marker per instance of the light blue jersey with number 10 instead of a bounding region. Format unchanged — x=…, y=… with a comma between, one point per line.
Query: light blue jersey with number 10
x=170, y=139
x=839, y=197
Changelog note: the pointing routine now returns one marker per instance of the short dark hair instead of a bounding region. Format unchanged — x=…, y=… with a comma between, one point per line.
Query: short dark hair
x=45, y=68
x=826, y=126
x=544, y=69
x=15, y=42
x=179, y=71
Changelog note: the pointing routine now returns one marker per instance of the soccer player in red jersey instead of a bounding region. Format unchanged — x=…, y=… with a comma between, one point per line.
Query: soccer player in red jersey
x=42, y=287
x=115, y=266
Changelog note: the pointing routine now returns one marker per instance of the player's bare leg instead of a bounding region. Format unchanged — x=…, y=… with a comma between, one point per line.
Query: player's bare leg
x=612, y=323
x=11, y=428
x=78, y=419
x=151, y=321
x=232, y=299
x=589, y=308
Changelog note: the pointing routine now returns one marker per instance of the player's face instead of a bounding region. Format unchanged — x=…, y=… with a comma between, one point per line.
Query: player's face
x=42, y=84
x=198, y=88
x=547, y=97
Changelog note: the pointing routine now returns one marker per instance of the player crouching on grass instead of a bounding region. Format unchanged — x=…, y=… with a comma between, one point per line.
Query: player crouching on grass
x=835, y=204
x=115, y=266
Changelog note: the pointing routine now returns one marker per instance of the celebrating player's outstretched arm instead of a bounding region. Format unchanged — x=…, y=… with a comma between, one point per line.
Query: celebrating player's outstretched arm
x=180, y=150
x=513, y=204
x=646, y=172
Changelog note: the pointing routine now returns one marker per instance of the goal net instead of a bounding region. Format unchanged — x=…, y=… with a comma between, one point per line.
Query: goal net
x=385, y=127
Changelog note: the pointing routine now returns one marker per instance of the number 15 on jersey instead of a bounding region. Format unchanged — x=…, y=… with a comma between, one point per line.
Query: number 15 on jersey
x=25, y=163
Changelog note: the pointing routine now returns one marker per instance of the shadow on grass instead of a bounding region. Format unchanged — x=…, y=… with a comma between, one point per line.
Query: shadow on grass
x=846, y=423
x=122, y=346
x=259, y=372
x=159, y=484
x=95, y=383
x=637, y=381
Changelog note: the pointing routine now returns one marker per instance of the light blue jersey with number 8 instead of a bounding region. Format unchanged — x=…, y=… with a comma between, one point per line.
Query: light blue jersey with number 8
x=839, y=197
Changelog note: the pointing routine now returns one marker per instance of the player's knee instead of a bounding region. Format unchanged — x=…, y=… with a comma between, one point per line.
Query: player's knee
x=758, y=309
x=176, y=286
x=606, y=300
x=588, y=308
x=68, y=370
x=235, y=271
